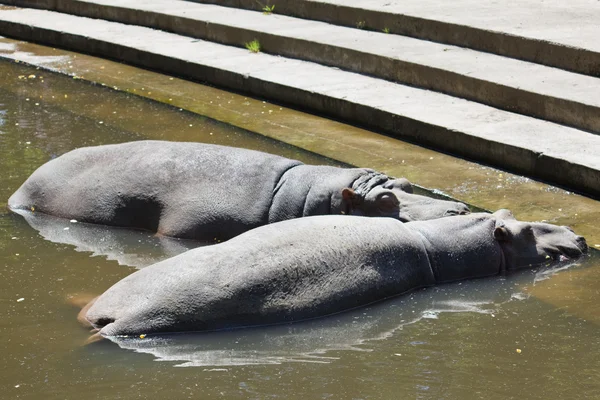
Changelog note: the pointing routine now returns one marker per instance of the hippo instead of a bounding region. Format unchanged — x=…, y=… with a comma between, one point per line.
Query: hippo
x=210, y=192
x=316, y=266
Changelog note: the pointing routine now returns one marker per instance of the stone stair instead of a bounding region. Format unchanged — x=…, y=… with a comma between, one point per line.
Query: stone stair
x=527, y=117
x=549, y=32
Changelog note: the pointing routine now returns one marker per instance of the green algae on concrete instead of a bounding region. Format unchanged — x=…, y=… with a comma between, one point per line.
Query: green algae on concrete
x=485, y=187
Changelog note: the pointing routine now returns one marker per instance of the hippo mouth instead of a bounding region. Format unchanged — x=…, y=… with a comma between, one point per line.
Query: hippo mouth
x=562, y=253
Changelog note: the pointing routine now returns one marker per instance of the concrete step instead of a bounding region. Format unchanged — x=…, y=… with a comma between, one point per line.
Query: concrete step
x=550, y=32
x=537, y=148
x=513, y=85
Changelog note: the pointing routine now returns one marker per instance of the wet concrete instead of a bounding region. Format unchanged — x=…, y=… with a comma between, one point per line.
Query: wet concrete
x=563, y=155
x=483, y=186
x=526, y=88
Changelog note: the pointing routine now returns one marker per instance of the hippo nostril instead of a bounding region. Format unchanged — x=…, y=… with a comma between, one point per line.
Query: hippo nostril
x=101, y=322
x=464, y=210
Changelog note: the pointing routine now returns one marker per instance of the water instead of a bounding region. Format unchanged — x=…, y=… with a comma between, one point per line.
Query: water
x=532, y=335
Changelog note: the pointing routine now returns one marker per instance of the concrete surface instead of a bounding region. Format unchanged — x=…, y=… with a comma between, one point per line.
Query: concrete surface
x=464, y=180
x=533, y=147
x=527, y=88
x=550, y=32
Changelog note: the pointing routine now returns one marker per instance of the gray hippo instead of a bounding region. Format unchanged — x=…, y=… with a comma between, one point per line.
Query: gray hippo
x=316, y=266
x=210, y=192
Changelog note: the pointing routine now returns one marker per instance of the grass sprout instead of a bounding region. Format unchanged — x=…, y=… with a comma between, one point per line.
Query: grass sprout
x=253, y=46
x=268, y=10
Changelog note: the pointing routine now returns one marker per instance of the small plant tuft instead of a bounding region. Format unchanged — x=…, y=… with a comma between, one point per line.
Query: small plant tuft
x=268, y=10
x=386, y=30
x=361, y=24
x=253, y=46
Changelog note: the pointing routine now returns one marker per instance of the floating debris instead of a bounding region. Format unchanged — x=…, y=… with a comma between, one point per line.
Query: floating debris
x=20, y=300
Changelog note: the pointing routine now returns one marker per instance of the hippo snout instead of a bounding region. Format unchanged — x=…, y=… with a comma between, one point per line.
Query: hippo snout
x=572, y=252
x=459, y=209
x=582, y=244
x=579, y=240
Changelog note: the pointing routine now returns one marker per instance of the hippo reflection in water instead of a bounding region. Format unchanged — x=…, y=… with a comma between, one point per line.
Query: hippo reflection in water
x=316, y=266
x=206, y=192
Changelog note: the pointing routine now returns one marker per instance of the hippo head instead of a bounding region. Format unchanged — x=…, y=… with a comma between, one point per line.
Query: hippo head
x=527, y=244
x=394, y=198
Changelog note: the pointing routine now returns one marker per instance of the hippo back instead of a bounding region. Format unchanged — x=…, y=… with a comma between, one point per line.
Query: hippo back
x=288, y=271
x=177, y=189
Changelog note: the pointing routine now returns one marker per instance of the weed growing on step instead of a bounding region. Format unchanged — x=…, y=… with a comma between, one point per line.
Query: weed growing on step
x=253, y=46
x=361, y=24
x=386, y=30
x=268, y=10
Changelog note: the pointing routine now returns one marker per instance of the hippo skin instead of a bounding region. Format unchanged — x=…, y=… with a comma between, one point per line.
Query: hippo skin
x=207, y=192
x=316, y=266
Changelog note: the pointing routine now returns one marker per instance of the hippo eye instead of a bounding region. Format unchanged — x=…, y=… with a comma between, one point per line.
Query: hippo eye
x=387, y=202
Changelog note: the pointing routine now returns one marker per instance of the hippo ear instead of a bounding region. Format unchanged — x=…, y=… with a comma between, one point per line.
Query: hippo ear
x=348, y=197
x=501, y=234
x=348, y=194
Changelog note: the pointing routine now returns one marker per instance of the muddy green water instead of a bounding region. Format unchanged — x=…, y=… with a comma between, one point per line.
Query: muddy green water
x=533, y=335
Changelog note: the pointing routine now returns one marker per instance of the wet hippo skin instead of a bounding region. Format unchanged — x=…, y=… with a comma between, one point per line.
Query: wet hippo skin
x=311, y=267
x=206, y=192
